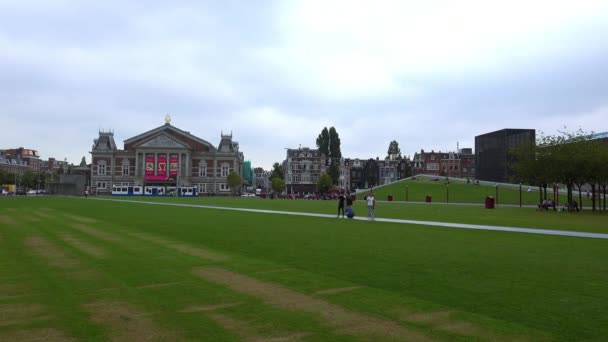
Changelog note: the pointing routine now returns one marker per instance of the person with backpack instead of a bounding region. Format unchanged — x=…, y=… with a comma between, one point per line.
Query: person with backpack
x=341, y=205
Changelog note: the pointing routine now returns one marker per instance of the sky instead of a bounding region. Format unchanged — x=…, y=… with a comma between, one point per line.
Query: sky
x=428, y=74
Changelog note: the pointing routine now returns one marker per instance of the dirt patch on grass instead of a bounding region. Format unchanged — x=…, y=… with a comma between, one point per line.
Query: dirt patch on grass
x=337, y=290
x=19, y=313
x=432, y=317
x=443, y=320
x=127, y=323
x=203, y=308
x=81, y=218
x=11, y=209
x=34, y=335
x=51, y=253
x=84, y=246
x=275, y=271
x=248, y=332
x=32, y=218
x=100, y=234
x=198, y=252
x=343, y=320
x=42, y=214
x=152, y=286
x=7, y=220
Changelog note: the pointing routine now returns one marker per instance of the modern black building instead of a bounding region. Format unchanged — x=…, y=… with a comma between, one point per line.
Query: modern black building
x=492, y=162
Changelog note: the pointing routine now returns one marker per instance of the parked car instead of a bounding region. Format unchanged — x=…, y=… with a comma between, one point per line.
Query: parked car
x=31, y=192
x=247, y=195
x=5, y=192
x=41, y=192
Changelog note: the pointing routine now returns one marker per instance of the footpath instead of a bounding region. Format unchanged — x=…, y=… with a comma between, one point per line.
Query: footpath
x=380, y=219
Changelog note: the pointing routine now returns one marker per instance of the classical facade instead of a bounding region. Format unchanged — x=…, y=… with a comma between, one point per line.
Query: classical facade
x=393, y=169
x=164, y=156
x=302, y=170
x=17, y=160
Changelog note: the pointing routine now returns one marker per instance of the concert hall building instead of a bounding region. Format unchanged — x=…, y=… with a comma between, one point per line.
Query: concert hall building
x=165, y=157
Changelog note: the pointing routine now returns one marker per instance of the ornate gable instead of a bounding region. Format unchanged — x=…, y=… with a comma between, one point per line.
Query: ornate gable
x=162, y=140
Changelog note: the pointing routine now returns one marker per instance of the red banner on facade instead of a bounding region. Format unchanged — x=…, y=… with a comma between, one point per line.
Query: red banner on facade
x=162, y=166
x=173, y=165
x=150, y=165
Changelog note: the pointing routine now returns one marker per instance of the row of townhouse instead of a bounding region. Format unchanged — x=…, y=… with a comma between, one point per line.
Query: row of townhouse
x=303, y=166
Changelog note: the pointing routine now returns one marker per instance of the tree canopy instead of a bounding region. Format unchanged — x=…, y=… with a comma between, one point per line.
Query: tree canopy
x=328, y=143
x=277, y=171
x=278, y=185
x=234, y=181
x=324, y=183
x=569, y=158
x=393, y=149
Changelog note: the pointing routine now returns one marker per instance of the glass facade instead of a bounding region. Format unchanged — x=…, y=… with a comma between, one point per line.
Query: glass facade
x=492, y=152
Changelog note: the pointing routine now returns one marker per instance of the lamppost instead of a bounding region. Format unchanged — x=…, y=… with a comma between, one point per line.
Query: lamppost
x=520, y=194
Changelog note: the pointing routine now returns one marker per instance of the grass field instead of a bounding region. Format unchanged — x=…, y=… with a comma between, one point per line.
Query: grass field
x=98, y=270
x=460, y=192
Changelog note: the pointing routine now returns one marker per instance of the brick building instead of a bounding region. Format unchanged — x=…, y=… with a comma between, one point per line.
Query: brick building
x=17, y=160
x=164, y=156
x=445, y=164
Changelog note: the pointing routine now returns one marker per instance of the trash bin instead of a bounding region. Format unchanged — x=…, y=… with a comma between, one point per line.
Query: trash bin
x=389, y=198
x=489, y=202
x=428, y=199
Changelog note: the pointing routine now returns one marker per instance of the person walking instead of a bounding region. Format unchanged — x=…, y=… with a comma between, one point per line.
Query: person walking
x=341, y=204
x=371, y=206
x=349, y=200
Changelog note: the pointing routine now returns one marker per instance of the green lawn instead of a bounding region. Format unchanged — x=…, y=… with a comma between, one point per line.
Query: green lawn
x=101, y=270
x=417, y=190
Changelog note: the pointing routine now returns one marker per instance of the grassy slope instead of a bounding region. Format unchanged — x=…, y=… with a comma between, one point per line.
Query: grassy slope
x=462, y=192
x=512, y=283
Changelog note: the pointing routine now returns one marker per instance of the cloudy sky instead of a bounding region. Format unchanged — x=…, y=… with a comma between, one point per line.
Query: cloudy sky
x=428, y=74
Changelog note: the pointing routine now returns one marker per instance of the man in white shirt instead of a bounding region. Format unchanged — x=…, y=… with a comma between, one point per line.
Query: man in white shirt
x=371, y=206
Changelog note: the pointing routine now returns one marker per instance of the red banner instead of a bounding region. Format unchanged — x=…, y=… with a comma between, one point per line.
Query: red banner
x=162, y=166
x=150, y=165
x=173, y=165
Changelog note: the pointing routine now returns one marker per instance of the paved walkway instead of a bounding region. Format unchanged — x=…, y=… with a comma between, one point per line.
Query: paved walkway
x=381, y=219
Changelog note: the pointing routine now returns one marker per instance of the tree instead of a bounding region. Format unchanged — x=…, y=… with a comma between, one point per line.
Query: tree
x=83, y=162
x=28, y=179
x=277, y=171
x=323, y=142
x=393, y=149
x=328, y=143
x=278, y=185
x=324, y=183
x=234, y=181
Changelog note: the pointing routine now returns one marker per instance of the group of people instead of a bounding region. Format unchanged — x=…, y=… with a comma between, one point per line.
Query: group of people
x=348, y=199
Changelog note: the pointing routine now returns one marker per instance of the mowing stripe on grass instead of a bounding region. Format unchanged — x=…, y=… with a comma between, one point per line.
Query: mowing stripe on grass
x=390, y=220
x=343, y=320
